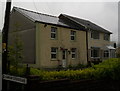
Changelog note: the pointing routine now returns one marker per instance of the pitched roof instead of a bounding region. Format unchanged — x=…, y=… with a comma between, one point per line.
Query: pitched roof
x=39, y=17
x=86, y=23
x=75, y=23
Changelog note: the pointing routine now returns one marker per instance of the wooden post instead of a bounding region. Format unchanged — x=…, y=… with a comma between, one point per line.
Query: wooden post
x=4, y=43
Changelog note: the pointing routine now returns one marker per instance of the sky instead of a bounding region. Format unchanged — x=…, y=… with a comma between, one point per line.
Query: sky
x=102, y=13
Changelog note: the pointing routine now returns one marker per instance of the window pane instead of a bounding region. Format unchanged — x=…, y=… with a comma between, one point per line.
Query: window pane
x=53, y=35
x=73, y=52
x=53, y=49
x=73, y=55
x=72, y=38
x=73, y=34
x=106, y=53
x=53, y=55
x=94, y=34
x=53, y=29
x=106, y=36
x=53, y=32
x=95, y=52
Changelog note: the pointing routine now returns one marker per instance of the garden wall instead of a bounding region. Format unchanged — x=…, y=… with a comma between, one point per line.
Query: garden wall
x=81, y=85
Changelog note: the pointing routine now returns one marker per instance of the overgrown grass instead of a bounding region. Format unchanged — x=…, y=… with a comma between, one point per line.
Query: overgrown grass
x=109, y=69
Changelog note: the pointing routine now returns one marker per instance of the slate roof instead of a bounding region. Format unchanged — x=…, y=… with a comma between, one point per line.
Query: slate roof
x=44, y=18
x=75, y=23
x=86, y=23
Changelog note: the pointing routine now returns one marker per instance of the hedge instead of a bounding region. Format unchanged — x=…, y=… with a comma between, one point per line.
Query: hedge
x=108, y=69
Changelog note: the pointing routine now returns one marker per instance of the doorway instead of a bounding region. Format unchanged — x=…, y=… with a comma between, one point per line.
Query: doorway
x=64, y=58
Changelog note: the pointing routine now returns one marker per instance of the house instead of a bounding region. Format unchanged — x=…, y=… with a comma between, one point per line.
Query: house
x=50, y=41
x=98, y=40
x=118, y=52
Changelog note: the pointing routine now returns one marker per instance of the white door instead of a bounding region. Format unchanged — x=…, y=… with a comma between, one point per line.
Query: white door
x=63, y=58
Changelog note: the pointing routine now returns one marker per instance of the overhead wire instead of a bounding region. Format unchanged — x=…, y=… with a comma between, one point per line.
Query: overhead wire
x=37, y=10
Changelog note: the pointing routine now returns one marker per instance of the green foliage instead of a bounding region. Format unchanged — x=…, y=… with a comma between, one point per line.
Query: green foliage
x=79, y=66
x=20, y=71
x=109, y=69
x=15, y=52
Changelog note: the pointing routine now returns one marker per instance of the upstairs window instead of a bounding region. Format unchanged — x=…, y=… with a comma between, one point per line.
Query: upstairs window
x=53, y=32
x=73, y=52
x=94, y=34
x=54, y=53
x=73, y=35
x=106, y=37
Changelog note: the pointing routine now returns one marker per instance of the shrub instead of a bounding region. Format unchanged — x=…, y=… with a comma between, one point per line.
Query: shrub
x=108, y=69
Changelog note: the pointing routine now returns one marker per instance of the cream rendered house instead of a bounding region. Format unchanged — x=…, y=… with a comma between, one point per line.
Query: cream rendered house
x=50, y=41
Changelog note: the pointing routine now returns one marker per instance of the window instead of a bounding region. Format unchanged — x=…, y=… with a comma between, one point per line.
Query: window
x=94, y=34
x=73, y=35
x=106, y=53
x=54, y=52
x=73, y=52
x=95, y=52
x=106, y=37
x=53, y=32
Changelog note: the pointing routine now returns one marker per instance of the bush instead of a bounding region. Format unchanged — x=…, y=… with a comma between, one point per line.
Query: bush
x=108, y=69
x=17, y=72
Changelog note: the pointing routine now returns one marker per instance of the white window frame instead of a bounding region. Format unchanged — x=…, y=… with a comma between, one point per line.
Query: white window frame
x=72, y=35
x=73, y=53
x=54, y=32
x=54, y=53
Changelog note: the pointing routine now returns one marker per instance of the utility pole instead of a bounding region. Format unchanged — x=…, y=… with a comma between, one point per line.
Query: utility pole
x=5, y=43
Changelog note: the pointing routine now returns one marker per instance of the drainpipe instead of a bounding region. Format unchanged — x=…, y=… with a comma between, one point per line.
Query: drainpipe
x=109, y=53
x=87, y=45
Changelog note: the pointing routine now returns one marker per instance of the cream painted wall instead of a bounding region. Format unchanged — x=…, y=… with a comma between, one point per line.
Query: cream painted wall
x=101, y=43
x=44, y=44
x=97, y=42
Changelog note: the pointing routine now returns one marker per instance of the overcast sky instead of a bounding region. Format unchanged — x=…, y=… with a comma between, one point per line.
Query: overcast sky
x=104, y=14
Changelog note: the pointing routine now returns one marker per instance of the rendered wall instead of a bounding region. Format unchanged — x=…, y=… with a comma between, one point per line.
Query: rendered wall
x=25, y=29
x=44, y=44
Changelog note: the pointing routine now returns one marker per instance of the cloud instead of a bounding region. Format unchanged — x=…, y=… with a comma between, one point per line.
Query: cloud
x=104, y=14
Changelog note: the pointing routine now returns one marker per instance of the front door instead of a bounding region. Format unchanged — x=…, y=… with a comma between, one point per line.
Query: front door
x=64, y=58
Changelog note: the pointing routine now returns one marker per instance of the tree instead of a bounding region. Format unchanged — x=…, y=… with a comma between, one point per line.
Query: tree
x=15, y=51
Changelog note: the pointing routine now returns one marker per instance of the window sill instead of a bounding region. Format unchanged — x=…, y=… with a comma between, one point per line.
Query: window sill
x=73, y=58
x=95, y=39
x=107, y=40
x=72, y=40
x=53, y=39
x=95, y=57
x=53, y=59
